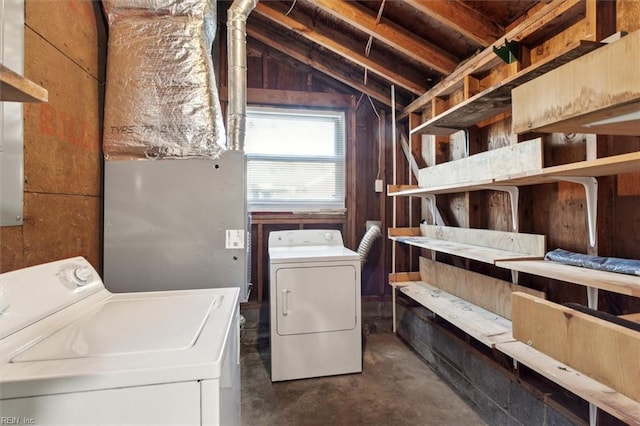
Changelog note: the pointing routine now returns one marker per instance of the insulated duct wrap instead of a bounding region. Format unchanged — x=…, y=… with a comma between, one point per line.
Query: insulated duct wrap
x=161, y=98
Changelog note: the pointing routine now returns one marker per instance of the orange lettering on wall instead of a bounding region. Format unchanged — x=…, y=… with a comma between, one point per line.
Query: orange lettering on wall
x=64, y=127
x=47, y=119
x=83, y=9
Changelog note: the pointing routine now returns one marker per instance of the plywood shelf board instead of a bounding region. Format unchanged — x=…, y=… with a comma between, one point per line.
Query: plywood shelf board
x=497, y=99
x=607, y=399
x=482, y=168
x=606, y=166
x=16, y=88
x=479, y=323
x=482, y=290
x=468, y=251
x=444, y=189
x=598, y=86
x=610, y=281
x=531, y=245
x=604, y=351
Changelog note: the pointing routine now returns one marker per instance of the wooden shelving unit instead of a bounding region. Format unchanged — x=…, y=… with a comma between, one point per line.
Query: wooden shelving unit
x=497, y=99
x=458, y=103
x=16, y=88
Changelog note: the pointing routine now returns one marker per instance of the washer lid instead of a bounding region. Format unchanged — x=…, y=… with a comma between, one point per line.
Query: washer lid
x=127, y=325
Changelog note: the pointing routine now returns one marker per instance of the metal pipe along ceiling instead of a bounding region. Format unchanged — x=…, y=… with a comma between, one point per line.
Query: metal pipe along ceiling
x=237, y=60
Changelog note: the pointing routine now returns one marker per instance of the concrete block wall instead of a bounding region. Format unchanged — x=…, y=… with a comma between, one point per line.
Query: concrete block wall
x=497, y=398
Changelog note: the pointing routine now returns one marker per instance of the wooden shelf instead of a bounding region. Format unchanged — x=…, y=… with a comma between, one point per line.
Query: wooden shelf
x=589, y=95
x=478, y=244
x=468, y=251
x=483, y=325
x=15, y=88
x=497, y=99
x=605, y=398
x=610, y=281
x=416, y=191
x=606, y=166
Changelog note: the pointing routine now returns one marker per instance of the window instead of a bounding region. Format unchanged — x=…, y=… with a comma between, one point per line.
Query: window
x=295, y=160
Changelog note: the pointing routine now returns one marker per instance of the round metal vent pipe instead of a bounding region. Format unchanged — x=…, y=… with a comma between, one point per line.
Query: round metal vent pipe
x=237, y=72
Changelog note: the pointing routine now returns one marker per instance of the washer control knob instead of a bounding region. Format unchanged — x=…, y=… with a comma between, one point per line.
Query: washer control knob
x=328, y=236
x=82, y=274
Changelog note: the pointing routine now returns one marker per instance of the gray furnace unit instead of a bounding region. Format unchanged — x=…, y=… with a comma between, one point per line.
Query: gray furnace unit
x=176, y=224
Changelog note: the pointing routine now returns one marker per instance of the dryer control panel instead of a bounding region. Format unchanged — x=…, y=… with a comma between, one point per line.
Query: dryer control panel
x=305, y=237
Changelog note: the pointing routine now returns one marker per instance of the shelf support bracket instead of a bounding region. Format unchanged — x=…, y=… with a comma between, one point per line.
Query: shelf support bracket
x=593, y=414
x=592, y=297
x=393, y=307
x=514, y=195
x=435, y=213
x=590, y=185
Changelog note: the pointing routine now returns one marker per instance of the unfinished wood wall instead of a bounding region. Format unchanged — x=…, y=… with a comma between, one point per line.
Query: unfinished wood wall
x=65, y=49
x=270, y=70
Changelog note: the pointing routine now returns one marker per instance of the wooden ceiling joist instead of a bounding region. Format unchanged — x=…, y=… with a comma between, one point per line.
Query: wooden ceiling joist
x=461, y=18
x=391, y=34
x=341, y=44
x=555, y=11
x=272, y=38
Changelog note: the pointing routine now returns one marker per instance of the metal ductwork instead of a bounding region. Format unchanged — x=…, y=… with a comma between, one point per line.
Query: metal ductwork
x=237, y=60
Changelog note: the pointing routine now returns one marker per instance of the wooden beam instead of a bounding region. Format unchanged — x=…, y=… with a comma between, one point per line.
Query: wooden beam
x=391, y=34
x=334, y=69
x=400, y=277
x=294, y=98
x=461, y=18
x=342, y=45
x=555, y=10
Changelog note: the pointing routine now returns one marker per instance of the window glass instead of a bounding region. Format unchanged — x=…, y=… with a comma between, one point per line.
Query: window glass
x=295, y=159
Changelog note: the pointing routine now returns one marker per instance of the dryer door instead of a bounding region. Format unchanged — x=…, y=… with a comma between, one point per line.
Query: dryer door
x=316, y=299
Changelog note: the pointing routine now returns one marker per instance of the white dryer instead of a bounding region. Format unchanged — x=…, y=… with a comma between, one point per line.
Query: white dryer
x=315, y=305
x=71, y=352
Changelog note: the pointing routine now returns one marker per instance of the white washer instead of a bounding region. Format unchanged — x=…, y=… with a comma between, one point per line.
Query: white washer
x=71, y=352
x=315, y=305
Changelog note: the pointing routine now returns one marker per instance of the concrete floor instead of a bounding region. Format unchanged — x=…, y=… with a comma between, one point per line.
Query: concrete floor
x=395, y=388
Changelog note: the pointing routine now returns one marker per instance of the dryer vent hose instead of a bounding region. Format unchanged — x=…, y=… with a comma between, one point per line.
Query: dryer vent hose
x=367, y=241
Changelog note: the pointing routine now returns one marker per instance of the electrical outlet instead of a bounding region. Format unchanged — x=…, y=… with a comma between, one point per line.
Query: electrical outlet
x=379, y=185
